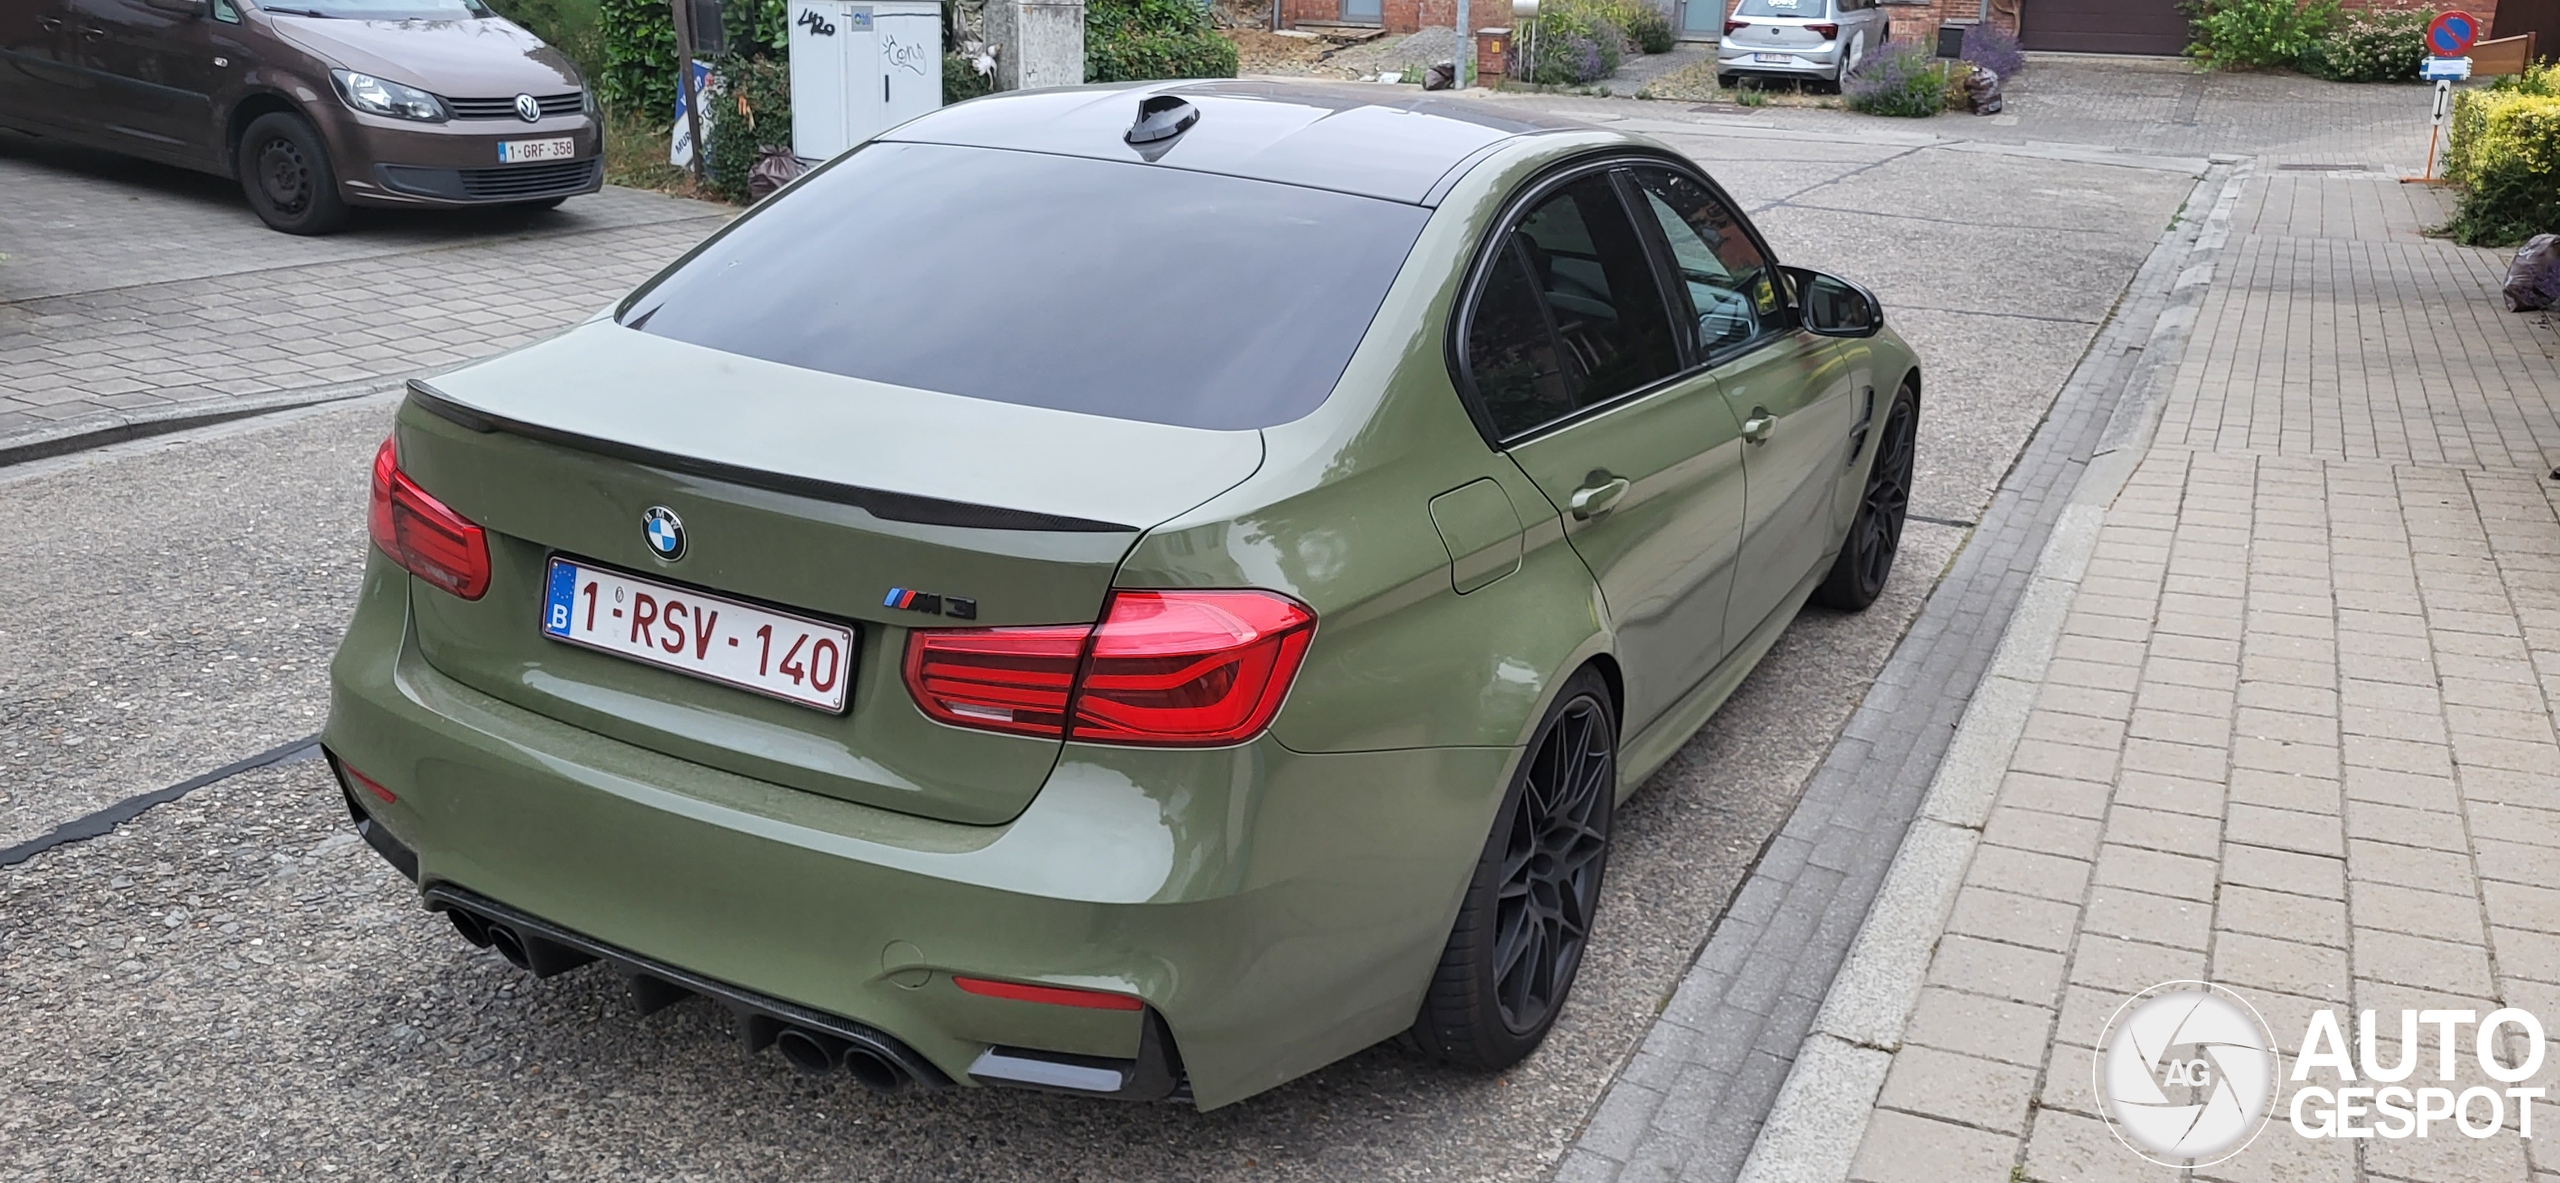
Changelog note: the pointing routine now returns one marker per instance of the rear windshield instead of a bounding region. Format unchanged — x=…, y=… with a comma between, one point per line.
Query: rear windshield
x=1808, y=9
x=1109, y=288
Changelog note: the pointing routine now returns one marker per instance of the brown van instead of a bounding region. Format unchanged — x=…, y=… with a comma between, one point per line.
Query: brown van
x=315, y=105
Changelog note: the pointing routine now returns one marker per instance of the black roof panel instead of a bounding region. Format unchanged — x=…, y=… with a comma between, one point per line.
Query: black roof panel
x=1352, y=139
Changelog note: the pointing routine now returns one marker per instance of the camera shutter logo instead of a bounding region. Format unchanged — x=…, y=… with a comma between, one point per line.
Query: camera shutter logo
x=2185, y=1073
x=528, y=108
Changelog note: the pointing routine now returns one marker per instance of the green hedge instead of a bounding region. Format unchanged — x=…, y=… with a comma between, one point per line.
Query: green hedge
x=2259, y=34
x=1138, y=40
x=2383, y=46
x=2505, y=157
x=639, y=71
x=754, y=114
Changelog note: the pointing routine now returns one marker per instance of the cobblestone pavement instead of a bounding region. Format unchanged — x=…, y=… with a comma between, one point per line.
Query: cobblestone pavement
x=131, y=294
x=2297, y=733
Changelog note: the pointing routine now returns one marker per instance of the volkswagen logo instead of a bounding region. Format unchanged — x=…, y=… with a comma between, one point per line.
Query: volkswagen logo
x=2185, y=1072
x=664, y=531
x=528, y=108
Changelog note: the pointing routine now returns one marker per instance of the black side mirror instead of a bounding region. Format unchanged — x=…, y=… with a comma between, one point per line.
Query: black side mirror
x=1835, y=307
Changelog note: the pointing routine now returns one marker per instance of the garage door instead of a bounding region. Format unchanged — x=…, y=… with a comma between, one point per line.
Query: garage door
x=2104, y=26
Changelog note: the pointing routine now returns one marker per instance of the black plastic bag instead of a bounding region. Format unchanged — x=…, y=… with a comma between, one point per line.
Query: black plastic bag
x=2533, y=279
x=773, y=169
x=1440, y=77
x=1982, y=90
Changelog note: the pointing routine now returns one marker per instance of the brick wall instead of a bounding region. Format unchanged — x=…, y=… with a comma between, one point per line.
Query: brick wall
x=1918, y=22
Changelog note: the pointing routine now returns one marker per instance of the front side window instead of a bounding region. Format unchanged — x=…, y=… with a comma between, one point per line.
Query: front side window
x=1731, y=287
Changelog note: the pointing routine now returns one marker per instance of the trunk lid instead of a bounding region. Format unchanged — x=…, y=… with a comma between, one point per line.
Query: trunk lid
x=800, y=492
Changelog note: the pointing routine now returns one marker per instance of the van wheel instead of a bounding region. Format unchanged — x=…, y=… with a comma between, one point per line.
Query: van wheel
x=285, y=171
x=1526, y=919
x=1866, y=555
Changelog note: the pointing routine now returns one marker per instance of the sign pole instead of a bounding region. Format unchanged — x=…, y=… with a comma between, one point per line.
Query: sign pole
x=1466, y=48
x=683, y=13
x=2449, y=37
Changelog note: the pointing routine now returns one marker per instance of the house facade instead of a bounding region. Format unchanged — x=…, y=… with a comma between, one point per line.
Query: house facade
x=2076, y=26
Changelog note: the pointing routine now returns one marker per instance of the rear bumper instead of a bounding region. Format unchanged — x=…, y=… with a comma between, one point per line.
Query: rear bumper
x=1816, y=63
x=1277, y=910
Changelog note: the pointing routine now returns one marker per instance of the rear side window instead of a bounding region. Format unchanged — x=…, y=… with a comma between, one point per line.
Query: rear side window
x=1101, y=287
x=1569, y=316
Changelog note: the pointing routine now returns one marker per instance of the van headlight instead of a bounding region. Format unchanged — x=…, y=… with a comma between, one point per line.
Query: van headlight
x=381, y=96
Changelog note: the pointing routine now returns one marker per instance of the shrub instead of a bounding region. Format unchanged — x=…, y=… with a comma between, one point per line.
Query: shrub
x=2257, y=34
x=962, y=81
x=1993, y=49
x=754, y=106
x=1899, y=80
x=2505, y=156
x=1137, y=40
x=2370, y=46
x=639, y=48
x=1650, y=29
x=1577, y=44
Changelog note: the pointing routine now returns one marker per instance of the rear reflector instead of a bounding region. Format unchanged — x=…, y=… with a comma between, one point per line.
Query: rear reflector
x=1165, y=668
x=1052, y=995
x=368, y=784
x=419, y=533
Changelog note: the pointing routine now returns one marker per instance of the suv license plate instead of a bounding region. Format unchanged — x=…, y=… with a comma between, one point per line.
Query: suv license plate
x=521, y=151
x=710, y=637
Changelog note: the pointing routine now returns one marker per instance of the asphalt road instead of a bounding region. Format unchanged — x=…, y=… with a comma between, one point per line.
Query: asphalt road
x=232, y=986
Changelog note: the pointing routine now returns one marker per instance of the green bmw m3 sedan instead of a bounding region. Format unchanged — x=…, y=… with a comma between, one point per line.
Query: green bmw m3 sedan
x=1139, y=592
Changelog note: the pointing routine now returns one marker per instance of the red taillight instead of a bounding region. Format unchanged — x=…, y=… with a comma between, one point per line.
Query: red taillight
x=1826, y=32
x=368, y=784
x=1165, y=668
x=425, y=538
x=1053, y=995
x=1732, y=27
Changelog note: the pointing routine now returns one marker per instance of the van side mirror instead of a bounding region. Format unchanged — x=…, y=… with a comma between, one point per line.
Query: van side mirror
x=195, y=8
x=1835, y=307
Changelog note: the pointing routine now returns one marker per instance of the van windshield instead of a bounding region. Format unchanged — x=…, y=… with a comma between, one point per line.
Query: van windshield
x=381, y=10
x=1101, y=287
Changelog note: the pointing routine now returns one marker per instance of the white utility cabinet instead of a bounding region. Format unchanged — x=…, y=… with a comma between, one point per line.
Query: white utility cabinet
x=860, y=69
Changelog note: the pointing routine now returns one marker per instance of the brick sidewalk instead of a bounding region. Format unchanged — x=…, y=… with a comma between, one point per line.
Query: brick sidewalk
x=2297, y=736
x=129, y=295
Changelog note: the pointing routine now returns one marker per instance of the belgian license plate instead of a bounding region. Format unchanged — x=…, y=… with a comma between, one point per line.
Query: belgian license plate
x=1773, y=57
x=521, y=151
x=717, y=639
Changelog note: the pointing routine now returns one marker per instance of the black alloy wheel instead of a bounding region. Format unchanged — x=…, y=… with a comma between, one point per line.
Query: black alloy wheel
x=1866, y=556
x=1551, y=869
x=286, y=175
x=1526, y=919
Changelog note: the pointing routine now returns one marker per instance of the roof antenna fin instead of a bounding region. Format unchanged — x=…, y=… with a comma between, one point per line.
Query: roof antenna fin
x=1161, y=117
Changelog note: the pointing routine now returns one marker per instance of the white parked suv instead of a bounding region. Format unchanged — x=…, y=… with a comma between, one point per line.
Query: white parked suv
x=1817, y=39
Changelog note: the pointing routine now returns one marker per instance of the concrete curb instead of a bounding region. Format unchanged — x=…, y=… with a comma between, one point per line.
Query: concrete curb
x=1813, y=1133
x=92, y=431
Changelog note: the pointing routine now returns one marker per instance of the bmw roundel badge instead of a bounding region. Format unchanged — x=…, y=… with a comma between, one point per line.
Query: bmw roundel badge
x=665, y=532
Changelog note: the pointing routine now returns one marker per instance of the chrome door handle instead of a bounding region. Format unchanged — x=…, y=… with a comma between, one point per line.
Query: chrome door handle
x=1759, y=425
x=88, y=34
x=1591, y=501
x=50, y=24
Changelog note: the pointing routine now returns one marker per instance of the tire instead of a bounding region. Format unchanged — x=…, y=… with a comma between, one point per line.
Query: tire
x=1526, y=919
x=1866, y=556
x=286, y=174
x=1728, y=81
x=1850, y=57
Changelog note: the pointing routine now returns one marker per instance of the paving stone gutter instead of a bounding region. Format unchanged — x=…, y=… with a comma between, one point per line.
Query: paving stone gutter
x=1768, y=1056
